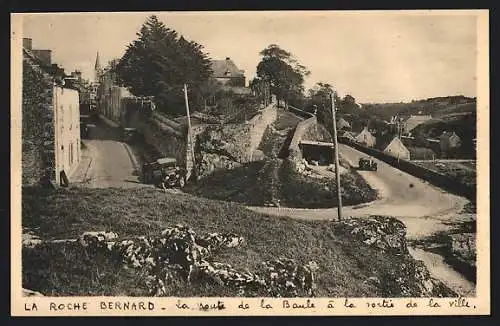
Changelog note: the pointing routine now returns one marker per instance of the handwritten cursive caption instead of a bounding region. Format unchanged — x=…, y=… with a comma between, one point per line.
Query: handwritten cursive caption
x=242, y=306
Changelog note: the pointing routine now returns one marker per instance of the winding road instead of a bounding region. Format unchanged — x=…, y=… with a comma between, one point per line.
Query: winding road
x=402, y=195
x=423, y=208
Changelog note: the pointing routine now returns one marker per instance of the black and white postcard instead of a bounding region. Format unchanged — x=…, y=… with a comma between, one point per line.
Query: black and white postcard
x=250, y=163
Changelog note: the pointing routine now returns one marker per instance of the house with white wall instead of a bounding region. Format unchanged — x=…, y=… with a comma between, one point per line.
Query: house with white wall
x=51, y=120
x=396, y=148
x=66, y=130
x=366, y=138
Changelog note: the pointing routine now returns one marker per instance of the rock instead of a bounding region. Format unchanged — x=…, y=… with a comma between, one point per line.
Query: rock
x=31, y=293
x=463, y=247
x=29, y=240
x=383, y=232
x=96, y=236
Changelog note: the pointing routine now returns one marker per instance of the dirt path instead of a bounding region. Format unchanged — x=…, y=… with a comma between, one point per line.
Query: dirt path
x=441, y=270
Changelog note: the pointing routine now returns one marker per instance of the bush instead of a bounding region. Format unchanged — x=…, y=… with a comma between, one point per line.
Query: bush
x=421, y=153
x=298, y=190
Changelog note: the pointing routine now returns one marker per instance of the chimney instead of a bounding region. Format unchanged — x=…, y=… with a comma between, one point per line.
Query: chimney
x=44, y=55
x=227, y=58
x=27, y=43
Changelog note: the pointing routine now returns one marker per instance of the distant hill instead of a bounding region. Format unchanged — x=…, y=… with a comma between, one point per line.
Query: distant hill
x=462, y=123
x=436, y=106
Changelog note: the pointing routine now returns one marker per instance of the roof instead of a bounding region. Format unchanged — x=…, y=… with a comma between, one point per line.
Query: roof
x=237, y=89
x=395, y=140
x=165, y=160
x=414, y=120
x=345, y=133
x=365, y=131
x=226, y=69
x=343, y=123
x=315, y=143
x=448, y=134
x=52, y=70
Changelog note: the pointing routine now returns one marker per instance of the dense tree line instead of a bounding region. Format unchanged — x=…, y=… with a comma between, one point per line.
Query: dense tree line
x=159, y=62
x=280, y=72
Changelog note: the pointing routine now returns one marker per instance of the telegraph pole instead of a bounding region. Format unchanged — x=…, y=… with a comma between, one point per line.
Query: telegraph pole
x=336, y=148
x=190, y=138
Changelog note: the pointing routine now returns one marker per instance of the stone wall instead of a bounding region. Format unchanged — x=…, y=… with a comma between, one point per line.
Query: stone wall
x=38, y=158
x=410, y=279
x=167, y=141
x=257, y=126
x=228, y=146
x=308, y=129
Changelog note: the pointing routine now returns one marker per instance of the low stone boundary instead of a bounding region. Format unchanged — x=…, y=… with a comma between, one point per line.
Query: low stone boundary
x=108, y=121
x=433, y=177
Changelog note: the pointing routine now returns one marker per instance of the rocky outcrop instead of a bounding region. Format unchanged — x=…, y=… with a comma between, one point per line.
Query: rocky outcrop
x=178, y=252
x=228, y=146
x=463, y=247
x=385, y=233
x=411, y=277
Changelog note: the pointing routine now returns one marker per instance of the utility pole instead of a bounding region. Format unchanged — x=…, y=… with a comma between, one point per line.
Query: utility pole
x=190, y=138
x=336, y=148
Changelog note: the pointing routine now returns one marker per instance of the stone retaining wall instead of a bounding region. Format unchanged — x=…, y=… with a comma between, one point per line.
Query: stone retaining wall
x=308, y=129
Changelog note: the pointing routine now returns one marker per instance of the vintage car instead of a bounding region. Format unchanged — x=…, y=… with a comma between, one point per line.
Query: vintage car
x=129, y=135
x=367, y=164
x=164, y=170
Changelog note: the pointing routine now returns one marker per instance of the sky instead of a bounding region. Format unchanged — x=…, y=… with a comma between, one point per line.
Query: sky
x=376, y=57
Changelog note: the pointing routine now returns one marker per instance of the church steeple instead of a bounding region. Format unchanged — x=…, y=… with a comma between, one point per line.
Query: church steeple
x=97, y=67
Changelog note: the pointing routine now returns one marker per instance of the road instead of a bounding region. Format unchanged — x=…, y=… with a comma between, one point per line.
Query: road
x=106, y=161
x=425, y=209
x=422, y=207
x=409, y=198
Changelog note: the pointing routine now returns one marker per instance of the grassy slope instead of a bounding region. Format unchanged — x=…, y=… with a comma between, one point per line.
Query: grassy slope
x=248, y=184
x=439, y=106
x=66, y=213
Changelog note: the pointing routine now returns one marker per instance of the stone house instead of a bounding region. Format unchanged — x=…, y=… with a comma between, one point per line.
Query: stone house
x=110, y=97
x=396, y=148
x=227, y=73
x=50, y=122
x=366, y=138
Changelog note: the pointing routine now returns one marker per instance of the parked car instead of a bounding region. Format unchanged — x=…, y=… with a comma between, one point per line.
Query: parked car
x=367, y=164
x=164, y=170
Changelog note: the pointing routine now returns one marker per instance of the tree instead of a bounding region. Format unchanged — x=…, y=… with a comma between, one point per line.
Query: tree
x=282, y=72
x=260, y=89
x=321, y=102
x=159, y=62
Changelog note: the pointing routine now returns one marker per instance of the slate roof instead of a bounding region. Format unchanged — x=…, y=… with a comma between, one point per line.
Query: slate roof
x=343, y=123
x=226, y=69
